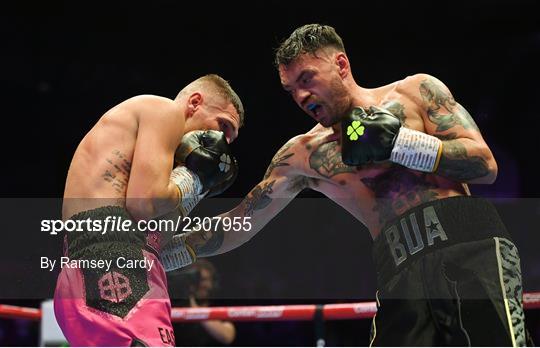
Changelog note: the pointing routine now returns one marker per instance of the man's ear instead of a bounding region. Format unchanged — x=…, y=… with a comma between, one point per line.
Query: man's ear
x=194, y=102
x=343, y=64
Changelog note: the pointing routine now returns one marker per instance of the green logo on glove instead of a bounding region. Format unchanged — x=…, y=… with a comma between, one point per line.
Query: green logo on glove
x=225, y=163
x=355, y=130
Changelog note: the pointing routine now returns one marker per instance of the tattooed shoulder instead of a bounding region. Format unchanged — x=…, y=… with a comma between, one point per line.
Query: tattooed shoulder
x=442, y=109
x=436, y=95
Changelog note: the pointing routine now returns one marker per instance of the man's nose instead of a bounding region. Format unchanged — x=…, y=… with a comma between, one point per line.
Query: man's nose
x=302, y=96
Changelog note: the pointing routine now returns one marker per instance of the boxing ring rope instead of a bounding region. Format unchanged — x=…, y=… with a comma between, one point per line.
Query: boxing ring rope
x=340, y=311
x=276, y=313
x=16, y=312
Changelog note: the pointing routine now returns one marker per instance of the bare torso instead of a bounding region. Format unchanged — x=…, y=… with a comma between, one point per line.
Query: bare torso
x=102, y=164
x=376, y=193
x=99, y=171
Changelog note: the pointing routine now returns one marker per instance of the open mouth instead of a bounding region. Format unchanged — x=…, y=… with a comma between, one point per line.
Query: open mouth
x=314, y=108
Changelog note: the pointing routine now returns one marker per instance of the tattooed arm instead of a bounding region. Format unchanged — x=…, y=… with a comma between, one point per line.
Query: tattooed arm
x=281, y=183
x=465, y=155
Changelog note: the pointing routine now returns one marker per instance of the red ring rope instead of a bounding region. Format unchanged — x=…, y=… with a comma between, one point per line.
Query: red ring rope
x=360, y=310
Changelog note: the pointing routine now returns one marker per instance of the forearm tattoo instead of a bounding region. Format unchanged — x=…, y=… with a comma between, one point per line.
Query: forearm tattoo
x=258, y=198
x=206, y=243
x=455, y=163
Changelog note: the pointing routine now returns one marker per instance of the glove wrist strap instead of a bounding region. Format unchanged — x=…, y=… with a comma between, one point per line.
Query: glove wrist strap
x=417, y=150
x=189, y=186
x=177, y=254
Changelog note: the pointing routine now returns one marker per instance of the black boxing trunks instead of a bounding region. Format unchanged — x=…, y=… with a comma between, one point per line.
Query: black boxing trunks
x=112, y=289
x=448, y=274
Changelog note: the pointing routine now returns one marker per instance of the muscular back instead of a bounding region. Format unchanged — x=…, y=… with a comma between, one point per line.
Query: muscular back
x=101, y=167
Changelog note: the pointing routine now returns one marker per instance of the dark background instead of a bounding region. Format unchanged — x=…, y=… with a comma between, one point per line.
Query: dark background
x=64, y=64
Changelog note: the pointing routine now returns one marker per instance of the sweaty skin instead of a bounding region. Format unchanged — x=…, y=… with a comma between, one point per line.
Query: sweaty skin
x=127, y=157
x=375, y=193
x=102, y=166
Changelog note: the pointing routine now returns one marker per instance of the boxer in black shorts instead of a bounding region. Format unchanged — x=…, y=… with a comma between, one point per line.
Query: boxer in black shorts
x=448, y=275
x=399, y=158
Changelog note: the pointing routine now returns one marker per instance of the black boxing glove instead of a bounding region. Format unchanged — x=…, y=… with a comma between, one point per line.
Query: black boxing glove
x=208, y=155
x=377, y=135
x=368, y=137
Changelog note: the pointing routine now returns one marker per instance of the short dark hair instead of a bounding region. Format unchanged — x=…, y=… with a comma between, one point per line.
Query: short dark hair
x=307, y=39
x=221, y=88
x=224, y=89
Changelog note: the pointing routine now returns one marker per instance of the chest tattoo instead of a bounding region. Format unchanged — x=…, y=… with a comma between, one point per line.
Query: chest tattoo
x=326, y=160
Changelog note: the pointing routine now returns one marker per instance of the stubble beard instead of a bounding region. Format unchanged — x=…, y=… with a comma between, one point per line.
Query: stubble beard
x=341, y=103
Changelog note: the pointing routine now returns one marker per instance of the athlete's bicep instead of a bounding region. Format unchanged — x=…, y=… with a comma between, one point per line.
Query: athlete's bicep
x=443, y=115
x=465, y=155
x=158, y=136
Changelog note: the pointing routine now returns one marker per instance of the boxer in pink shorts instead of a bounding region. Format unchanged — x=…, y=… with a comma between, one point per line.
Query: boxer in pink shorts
x=148, y=157
x=113, y=306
